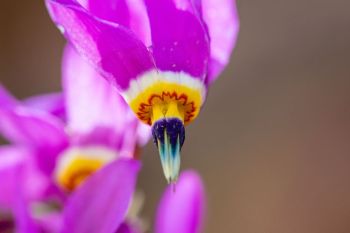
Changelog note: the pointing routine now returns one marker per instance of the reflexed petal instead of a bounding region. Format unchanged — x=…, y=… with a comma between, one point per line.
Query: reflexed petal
x=31, y=127
x=129, y=13
x=90, y=100
x=52, y=103
x=182, y=210
x=112, y=10
x=221, y=17
x=101, y=203
x=6, y=99
x=180, y=41
x=139, y=22
x=35, y=129
x=96, y=112
x=117, y=53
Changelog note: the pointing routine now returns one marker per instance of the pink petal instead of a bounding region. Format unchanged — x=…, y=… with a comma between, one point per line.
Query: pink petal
x=179, y=39
x=96, y=112
x=129, y=13
x=31, y=127
x=100, y=204
x=6, y=99
x=18, y=171
x=182, y=210
x=221, y=17
x=112, y=10
x=90, y=100
x=52, y=103
x=35, y=129
x=143, y=134
x=111, y=48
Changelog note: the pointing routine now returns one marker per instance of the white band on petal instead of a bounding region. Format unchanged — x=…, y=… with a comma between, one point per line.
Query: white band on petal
x=144, y=81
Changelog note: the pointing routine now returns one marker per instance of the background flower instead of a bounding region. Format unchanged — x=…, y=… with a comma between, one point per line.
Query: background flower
x=182, y=207
x=99, y=131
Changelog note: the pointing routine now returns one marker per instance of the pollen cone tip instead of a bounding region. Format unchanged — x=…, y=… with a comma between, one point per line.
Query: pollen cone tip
x=170, y=159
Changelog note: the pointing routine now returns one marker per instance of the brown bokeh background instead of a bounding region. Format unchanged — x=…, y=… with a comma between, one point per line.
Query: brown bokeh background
x=272, y=142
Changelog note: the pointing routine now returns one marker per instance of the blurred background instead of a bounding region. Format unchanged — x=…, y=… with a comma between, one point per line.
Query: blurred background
x=273, y=141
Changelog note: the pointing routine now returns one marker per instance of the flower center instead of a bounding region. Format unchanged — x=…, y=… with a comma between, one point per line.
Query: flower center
x=76, y=164
x=161, y=92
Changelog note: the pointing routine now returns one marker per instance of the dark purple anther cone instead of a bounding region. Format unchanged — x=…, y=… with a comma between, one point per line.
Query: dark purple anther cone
x=174, y=129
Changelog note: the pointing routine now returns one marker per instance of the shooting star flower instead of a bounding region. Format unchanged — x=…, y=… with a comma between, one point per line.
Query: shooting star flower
x=162, y=55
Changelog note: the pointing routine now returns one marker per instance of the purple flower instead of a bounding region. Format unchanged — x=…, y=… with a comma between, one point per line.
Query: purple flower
x=75, y=150
x=162, y=55
x=182, y=210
